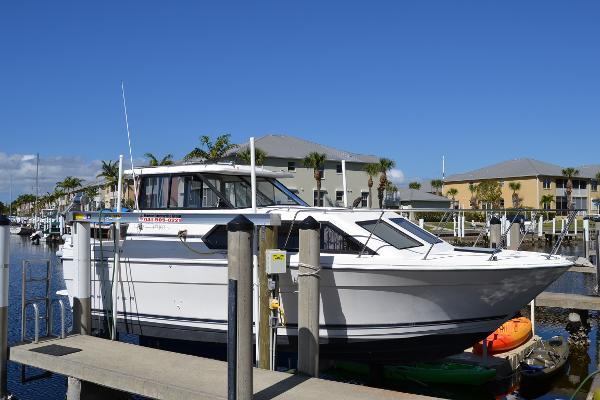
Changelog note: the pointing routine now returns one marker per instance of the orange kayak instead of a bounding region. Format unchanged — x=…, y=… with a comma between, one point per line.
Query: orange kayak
x=511, y=334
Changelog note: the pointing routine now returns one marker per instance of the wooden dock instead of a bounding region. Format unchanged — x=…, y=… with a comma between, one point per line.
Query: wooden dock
x=568, y=300
x=160, y=374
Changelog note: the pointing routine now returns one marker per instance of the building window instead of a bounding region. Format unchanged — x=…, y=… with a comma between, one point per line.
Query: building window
x=291, y=166
x=338, y=168
x=339, y=197
x=322, y=172
x=561, y=202
x=561, y=184
x=315, y=198
x=547, y=182
x=594, y=186
x=364, y=199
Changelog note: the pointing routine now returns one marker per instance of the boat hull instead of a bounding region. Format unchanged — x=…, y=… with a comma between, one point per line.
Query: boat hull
x=386, y=313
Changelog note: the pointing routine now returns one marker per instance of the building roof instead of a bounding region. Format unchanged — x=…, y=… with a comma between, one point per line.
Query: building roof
x=285, y=146
x=510, y=169
x=589, y=171
x=406, y=194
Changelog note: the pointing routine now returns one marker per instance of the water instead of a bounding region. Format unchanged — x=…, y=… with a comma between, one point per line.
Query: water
x=549, y=322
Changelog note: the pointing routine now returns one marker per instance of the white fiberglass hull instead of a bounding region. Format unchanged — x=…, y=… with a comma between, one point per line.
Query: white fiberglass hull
x=386, y=311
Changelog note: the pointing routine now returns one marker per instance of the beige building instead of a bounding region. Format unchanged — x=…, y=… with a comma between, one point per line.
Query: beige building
x=285, y=153
x=537, y=178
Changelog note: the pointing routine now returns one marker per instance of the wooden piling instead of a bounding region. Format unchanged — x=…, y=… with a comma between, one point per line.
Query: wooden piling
x=308, y=297
x=515, y=236
x=495, y=232
x=82, y=310
x=267, y=240
x=239, y=260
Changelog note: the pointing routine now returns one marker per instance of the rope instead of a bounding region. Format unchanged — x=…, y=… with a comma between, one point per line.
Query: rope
x=582, y=384
x=315, y=270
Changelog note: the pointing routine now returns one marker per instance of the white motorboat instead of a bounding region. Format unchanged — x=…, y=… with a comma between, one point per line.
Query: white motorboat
x=389, y=289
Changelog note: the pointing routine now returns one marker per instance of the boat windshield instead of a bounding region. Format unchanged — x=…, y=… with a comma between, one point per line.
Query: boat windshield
x=196, y=191
x=416, y=230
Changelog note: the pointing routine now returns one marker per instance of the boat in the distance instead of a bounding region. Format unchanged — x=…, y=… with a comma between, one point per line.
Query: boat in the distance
x=390, y=291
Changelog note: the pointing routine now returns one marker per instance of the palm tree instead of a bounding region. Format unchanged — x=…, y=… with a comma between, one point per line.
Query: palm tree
x=214, y=151
x=473, y=190
x=437, y=184
x=371, y=170
x=546, y=200
x=69, y=184
x=154, y=162
x=110, y=173
x=385, y=165
x=515, y=187
x=414, y=185
x=570, y=173
x=259, y=156
x=316, y=161
x=452, y=192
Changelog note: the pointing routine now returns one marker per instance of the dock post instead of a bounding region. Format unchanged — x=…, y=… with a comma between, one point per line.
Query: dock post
x=267, y=240
x=308, y=297
x=586, y=238
x=575, y=227
x=541, y=226
x=82, y=311
x=515, y=236
x=532, y=316
x=239, y=337
x=421, y=223
x=553, y=226
x=4, y=265
x=598, y=256
x=495, y=232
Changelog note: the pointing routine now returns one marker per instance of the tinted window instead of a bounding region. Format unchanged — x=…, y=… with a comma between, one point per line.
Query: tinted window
x=154, y=192
x=216, y=238
x=415, y=230
x=333, y=239
x=389, y=234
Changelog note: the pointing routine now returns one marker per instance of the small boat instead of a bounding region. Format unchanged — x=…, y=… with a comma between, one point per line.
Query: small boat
x=508, y=336
x=544, y=360
x=444, y=372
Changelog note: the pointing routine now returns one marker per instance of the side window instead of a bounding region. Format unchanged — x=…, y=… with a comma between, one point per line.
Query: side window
x=154, y=192
x=186, y=192
x=216, y=238
x=389, y=234
x=333, y=240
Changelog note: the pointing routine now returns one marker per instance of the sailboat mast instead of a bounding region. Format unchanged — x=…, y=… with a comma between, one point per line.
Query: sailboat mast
x=37, y=187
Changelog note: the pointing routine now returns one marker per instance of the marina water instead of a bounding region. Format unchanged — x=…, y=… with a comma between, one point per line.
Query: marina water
x=549, y=322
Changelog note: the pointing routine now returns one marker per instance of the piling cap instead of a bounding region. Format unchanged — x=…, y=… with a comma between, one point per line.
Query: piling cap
x=240, y=223
x=495, y=221
x=309, y=223
x=4, y=220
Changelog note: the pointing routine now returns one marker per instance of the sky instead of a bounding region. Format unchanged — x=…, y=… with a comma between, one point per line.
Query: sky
x=477, y=81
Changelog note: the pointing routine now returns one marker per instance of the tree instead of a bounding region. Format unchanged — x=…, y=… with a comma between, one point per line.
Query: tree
x=259, y=156
x=316, y=161
x=437, y=185
x=546, y=200
x=69, y=184
x=371, y=170
x=385, y=165
x=210, y=151
x=110, y=173
x=473, y=190
x=570, y=173
x=452, y=192
x=155, y=162
x=414, y=185
x=390, y=189
x=3, y=209
x=490, y=192
x=515, y=187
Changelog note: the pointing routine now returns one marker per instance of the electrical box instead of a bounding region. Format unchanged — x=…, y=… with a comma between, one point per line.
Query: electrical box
x=276, y=261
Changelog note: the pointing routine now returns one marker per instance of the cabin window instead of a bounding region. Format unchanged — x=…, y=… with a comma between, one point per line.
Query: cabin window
x=154, y=192
x=390, y=234
x=415, y=230
x=216, y=239
x=186, y=192
x=333, y=239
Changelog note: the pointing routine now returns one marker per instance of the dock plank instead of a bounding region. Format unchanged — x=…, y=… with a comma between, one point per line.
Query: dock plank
x=568, y=300
x=160, y=374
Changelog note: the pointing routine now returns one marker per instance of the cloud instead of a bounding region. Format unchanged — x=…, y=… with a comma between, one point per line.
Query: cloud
x=396, y=176
x=20, y=168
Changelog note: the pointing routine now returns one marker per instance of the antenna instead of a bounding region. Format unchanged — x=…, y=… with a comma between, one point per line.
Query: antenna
x=443, y=168
x=135, y=188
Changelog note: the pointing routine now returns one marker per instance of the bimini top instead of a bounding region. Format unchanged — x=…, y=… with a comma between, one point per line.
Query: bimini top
x=217, y=168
